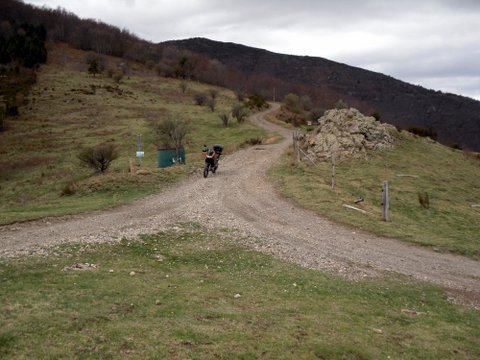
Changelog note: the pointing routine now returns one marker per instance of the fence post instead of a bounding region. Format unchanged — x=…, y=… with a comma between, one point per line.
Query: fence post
x=385, y=202
x=334, y=164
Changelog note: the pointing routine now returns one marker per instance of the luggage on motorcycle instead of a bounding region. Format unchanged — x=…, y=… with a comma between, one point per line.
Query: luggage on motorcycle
x=218, y=149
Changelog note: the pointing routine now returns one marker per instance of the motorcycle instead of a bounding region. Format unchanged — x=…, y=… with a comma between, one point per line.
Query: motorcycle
x=211, y=159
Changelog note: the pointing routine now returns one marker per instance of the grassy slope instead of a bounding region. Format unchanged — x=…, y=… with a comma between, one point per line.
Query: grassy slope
x=68, y=109
x=451, y=179
x=184, y=306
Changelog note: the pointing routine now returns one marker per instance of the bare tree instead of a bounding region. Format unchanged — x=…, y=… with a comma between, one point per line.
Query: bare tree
x=239, y=112
x=211, y=103
x=200, y=99
x=170, y=132
x=99, y=157
x=183, y=86
x=225, y=118
x=213, y=93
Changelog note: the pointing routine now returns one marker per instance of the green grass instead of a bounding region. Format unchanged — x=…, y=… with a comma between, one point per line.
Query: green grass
x=185, y=307
x=69, y=109
x=451, y=179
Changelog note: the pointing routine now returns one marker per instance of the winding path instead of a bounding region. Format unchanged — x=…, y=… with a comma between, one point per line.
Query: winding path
x=245, y=201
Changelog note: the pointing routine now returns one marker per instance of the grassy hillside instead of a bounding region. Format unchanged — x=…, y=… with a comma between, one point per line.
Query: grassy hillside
x=68, y=109
x=193, y=294
x=450, y=177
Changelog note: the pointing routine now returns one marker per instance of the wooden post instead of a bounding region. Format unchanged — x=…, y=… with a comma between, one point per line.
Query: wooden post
x=385, y=202
x=295, y=144
x=132, y=166
x=334, y=164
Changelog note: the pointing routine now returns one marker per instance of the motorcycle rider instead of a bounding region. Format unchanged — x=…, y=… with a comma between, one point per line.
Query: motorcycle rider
x=210, y=154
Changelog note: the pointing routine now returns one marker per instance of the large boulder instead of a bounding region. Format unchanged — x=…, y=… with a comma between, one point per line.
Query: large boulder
x=347, y=133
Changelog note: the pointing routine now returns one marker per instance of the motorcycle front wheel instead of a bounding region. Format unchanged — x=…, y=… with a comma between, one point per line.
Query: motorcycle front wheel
x=205, y=171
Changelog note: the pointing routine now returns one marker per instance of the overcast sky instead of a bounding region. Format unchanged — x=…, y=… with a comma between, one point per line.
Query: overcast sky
x=433, y=43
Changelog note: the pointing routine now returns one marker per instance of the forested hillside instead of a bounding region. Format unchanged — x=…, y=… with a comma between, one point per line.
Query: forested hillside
x=454, y=119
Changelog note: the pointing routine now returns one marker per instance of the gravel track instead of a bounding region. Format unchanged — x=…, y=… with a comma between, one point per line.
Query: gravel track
x=239, y=197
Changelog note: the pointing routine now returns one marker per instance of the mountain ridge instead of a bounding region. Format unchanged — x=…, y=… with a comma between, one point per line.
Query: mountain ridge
x=455, y=118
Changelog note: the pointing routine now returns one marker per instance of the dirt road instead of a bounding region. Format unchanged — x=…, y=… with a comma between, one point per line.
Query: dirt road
x=240, y=197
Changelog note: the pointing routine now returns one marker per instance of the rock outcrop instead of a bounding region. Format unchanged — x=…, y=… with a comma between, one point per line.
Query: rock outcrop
x=347, y=133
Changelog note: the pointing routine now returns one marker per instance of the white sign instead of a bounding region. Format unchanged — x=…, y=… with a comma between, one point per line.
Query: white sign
x=140, y=154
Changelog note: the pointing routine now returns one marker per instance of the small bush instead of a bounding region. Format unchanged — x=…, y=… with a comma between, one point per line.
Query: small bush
x=424, y=200
x=292, y=103
x=117, y=76
x=376, y=115
x=211, y=103
x=19, y=99
x=423, y=132
x=239, y=112
x=96, y=63
x=256, y=101
x=11, y=110
x=183, y=86
x=213, y=93
x=253, y=141
x=200, y=99
x=340, y=104
x=69, y=189
x=316, y=113
x=225, y=119
x=99, y=157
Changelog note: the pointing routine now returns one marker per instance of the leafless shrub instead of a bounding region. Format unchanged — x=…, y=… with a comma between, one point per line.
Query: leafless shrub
x=200, y=99
x=252, y=141
x=424, y=200
x=213, y=93
x=170, y=132
x=211, y=103
x=69, y=189
x=239, y=112
x=225, y=118
x=118, y=76
x=183, y=86
x=98, y=157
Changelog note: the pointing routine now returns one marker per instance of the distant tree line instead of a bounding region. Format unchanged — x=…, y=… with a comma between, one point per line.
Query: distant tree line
x=23, y=44
x=166, y=59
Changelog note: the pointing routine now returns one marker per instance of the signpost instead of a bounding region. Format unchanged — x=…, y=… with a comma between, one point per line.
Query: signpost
x=140, y=154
